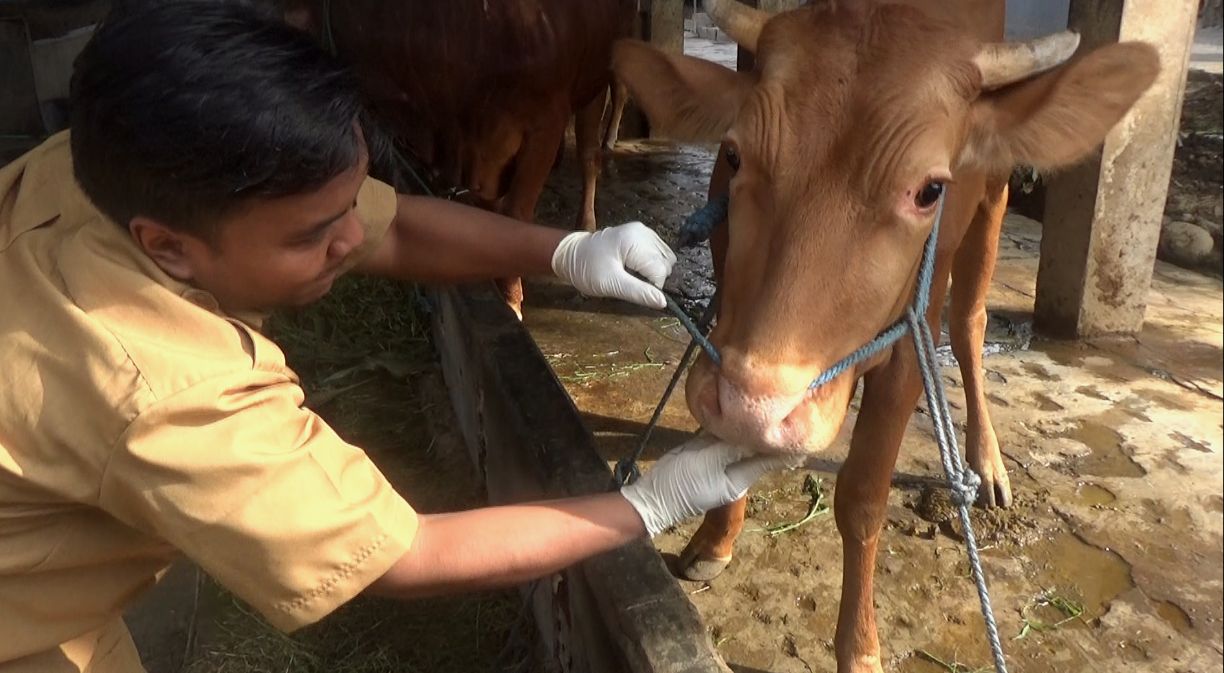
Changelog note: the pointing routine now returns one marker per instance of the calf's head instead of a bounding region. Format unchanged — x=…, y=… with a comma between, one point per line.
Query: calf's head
x=857, y=117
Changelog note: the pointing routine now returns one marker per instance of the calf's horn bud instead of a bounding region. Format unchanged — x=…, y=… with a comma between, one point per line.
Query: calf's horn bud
x=1003, y=63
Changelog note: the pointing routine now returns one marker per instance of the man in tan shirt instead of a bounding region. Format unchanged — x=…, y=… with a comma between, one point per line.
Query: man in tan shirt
x=216, y=169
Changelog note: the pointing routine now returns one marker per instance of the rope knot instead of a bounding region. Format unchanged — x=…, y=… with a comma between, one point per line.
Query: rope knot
x=965, y=489
x=626, y=471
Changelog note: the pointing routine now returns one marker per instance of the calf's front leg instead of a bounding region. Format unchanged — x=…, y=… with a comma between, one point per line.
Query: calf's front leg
x=972, y=271
x=860, y=501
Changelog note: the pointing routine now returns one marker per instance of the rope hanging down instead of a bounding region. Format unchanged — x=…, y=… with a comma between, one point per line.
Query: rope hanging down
x=962, y=481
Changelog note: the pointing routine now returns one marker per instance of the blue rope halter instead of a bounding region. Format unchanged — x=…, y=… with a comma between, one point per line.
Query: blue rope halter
x=700, y=225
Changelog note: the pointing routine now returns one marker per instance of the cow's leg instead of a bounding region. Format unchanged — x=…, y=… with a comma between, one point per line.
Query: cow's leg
x=616, y=111
x=535, y=162
x=586, y=137
x=861, y=497
x=709, y=550
x=971, y=274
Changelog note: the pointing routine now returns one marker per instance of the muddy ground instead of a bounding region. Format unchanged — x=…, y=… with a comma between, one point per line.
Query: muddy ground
x=1112, y=554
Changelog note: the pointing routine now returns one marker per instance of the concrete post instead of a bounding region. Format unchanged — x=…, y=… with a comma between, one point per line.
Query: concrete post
x=1102, y=218
x=661, y=23
x=665, y=24
x=743, y=59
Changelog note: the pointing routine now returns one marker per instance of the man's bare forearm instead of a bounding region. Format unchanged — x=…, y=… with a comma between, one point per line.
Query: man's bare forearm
x=437, y=241
x=502, y=546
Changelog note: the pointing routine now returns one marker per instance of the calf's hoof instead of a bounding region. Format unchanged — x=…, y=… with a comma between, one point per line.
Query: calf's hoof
x=995, y=490
x=696, y=566
x=860, y=664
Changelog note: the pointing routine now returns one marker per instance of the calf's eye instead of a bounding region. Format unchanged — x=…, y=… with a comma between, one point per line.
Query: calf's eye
x=733, y=158
x=929, y=195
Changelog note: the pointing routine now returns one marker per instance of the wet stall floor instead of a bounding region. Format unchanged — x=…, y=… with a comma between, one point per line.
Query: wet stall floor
x=1109, y=560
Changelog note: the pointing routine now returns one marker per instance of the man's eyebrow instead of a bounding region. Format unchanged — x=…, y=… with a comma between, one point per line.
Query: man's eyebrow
x=319, y=226
x=323, y=224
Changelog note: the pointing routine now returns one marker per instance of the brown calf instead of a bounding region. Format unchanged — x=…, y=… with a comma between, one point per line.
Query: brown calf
x=835, y=148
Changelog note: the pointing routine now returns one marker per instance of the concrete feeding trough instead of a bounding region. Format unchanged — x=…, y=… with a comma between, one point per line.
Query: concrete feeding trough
x=620, y=611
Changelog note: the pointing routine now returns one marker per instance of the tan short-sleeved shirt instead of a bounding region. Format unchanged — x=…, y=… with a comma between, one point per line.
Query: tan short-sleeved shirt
x=137, y=421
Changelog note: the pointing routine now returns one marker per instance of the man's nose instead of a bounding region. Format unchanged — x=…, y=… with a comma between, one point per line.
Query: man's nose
x=350, y=237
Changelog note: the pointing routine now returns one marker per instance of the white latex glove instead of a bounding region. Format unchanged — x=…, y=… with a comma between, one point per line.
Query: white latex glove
x=598, y=264
x=694, y=477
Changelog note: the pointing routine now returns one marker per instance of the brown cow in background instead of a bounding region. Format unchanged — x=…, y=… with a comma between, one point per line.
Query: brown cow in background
x=482, y=90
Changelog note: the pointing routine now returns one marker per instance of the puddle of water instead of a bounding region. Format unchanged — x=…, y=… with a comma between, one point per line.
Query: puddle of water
x=1092, y=495
x=1071, y=354
x=1174, y=516
x=748, y=655
x=1108, y=458
x=1163, y=399
x=1174, y=616
x=1039, y=371
x=1091, y=391
x=997, y=401
x=1189, y=442
x=1046, y=403
x=1065, y=353
x=1077, y=570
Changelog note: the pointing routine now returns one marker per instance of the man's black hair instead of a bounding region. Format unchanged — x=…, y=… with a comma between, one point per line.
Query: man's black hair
x=183, y=108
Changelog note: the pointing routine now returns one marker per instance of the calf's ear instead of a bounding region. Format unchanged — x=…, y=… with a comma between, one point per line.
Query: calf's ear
x=1059, y=117
x=685, y=98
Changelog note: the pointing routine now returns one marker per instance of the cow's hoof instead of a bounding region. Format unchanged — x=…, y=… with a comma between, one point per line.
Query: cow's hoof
x=697, y=567
x=995, y=492
x=861, y=664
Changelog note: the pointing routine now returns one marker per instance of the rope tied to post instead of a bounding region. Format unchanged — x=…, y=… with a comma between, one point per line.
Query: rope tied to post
x=962, y=481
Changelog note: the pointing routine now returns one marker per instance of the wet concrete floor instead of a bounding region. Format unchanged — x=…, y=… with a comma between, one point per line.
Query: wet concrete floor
x=1114, y=449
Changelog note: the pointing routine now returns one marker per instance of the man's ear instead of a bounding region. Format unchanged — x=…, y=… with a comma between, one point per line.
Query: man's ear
x=686, y=98
x=165, y=246
x=1059, y=117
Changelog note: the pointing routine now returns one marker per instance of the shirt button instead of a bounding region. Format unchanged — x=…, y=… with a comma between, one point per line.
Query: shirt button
x=202, y=299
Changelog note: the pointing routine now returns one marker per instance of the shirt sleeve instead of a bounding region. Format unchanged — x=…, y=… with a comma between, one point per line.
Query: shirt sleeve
x=261, y=493
x=375, y=208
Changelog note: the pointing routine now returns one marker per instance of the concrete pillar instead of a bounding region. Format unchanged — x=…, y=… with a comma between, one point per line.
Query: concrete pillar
x=1102, y=218
x=743, y=59
x=664, y=24
x=661, y=23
